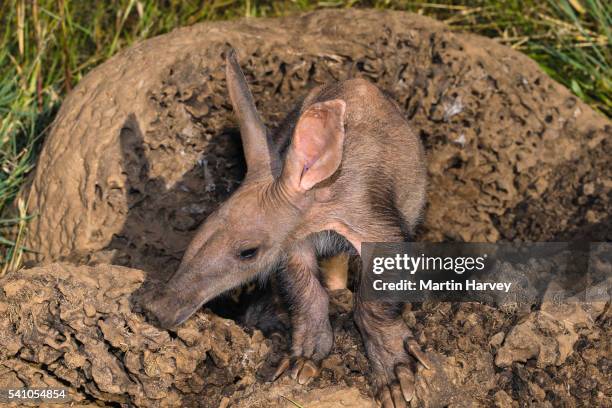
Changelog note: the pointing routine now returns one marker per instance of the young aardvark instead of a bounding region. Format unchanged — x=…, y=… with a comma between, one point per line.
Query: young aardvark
x=346, y=169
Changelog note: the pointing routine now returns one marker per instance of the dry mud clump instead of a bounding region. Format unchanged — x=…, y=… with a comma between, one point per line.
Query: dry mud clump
x=72, y=327
x=145, y=148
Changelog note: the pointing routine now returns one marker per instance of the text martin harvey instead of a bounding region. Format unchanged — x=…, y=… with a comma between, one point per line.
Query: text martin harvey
x=449, y=285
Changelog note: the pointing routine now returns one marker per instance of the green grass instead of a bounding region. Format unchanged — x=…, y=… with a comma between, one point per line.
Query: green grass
x=48, y=45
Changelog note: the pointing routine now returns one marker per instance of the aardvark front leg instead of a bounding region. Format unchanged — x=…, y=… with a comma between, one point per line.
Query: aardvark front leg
x=312, y=336
x=390, y=347
x=389, y=343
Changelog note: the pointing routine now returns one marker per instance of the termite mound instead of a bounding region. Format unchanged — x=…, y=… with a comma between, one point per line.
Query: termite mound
x=146, y=146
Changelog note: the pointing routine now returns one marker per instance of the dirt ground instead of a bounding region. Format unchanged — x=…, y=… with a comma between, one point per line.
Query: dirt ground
x=145, y=148
x=77, y=327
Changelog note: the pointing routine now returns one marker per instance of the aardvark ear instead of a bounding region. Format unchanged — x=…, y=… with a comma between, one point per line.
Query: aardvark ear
x=316, y=148
x=261, y=157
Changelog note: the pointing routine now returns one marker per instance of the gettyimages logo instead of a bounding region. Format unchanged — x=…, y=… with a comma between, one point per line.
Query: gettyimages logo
x=423, y=263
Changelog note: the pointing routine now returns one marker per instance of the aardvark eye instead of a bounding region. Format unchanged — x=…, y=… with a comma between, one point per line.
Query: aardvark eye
x=248, y=253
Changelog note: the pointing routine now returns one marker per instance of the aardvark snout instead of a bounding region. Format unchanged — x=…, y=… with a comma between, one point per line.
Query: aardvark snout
x=167, y=307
